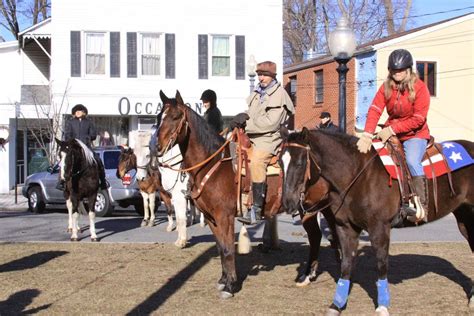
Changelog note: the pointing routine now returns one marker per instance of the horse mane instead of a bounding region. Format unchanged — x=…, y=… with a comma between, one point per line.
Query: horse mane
x=207, y=137
x=88, y=154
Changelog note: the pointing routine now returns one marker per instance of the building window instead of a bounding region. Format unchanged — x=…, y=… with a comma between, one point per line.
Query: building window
x=95, y=53
x=318, y=86
x=292, y=91
x=427, y=72
x=221, y=56
x=150, y=55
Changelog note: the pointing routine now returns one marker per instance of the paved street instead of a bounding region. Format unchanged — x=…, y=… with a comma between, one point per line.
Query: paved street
x=19, y=225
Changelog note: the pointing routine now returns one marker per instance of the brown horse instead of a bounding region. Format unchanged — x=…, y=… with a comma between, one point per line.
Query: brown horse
x=148, y=185
x=362, y=199
x=178, y=124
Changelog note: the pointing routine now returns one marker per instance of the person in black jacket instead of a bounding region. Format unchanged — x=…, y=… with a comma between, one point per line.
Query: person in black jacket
x=212, y=115
x=326, y=122
x=82, y=128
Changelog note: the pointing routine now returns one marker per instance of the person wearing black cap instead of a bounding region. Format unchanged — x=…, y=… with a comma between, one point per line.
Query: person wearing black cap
x=82, y=128
x=212, y=115
x=326, y=122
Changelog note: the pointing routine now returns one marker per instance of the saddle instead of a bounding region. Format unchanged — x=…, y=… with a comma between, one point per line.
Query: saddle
x=241, y=150
x=398, y=168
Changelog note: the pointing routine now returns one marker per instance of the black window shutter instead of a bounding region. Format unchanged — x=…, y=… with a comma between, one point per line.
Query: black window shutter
x=239, y=57
x=202, y=50
x=131, y=54
x=115, y=54
x=170, y=56
x=75, y=54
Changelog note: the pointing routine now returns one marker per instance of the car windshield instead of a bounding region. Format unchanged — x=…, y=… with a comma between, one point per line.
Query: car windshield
x=111, y=159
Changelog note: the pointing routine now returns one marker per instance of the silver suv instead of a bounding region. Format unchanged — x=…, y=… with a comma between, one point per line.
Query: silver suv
x=40, y=188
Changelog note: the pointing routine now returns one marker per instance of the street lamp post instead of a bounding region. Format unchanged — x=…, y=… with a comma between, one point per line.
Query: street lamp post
x=251, y=65
x=342, y=45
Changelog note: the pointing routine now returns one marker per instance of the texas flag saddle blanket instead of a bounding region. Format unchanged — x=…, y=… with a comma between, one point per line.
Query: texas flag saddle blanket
x=435, y=163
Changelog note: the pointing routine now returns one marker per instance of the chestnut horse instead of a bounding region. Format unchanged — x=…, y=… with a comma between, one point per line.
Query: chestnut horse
x=362, y=199
x=178, y=124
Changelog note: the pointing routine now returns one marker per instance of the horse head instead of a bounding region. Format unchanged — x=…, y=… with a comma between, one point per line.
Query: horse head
x=127, y=161
x=298, y=168
x=171, y=123
x=74, y=156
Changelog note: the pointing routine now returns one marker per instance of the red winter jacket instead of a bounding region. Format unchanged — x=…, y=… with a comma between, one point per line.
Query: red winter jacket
x=407, y=119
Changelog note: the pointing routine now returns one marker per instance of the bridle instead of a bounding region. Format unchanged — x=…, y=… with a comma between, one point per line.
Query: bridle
x=175, y=134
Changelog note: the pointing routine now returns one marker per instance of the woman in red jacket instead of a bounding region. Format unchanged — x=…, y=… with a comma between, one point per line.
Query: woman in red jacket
x=407, y=101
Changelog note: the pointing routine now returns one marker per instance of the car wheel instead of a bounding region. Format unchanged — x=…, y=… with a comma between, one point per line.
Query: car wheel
x=139, y=208
x=36, y=202
x=102, y=206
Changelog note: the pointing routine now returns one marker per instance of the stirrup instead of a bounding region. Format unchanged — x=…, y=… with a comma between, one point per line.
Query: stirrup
x=420, y=215
x=251, y=218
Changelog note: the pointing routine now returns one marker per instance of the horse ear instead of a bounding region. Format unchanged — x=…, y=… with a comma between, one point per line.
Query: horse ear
x=305, y=134
x=164, y=98
x=284, y=132
x=179, y=99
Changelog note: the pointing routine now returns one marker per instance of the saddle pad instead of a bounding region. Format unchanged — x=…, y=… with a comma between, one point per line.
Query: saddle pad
x=456, y=156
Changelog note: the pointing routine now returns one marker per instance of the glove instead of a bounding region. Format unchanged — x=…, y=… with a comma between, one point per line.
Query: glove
x=364, y=143
x=385, y=134
x=239, y=121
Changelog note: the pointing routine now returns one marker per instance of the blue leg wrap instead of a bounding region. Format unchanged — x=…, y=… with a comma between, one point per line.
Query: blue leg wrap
x=342, y=293
x=383, y=298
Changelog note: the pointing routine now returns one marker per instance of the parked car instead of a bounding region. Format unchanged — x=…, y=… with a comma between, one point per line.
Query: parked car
x=40, y=188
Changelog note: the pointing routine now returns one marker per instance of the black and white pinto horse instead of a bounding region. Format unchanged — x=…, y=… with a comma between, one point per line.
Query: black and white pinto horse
x=80, y=172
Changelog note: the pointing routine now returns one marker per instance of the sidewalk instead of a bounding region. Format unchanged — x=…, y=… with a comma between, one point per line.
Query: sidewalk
x=7, y=202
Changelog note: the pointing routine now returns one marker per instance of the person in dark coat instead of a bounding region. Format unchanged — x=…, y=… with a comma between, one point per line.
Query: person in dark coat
x=326, y=122
x=212, y=115
x=82, y=128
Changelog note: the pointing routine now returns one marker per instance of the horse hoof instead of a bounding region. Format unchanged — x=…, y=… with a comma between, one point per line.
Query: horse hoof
x=332, y=312
x=95, y=239
x=180, y=243
x=225, y=295
x=303, y=281
x=169, y=228
x=202, y=224
x=74, y=239
x=381, y=311
x=151, y=223
x=144, y=223
x=220, y=286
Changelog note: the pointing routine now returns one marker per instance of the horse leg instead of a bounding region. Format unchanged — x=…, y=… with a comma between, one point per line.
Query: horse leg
x=313, y=231
x=146, y=215
x=75, y=218
x=349, y=239
x=151, y=198
x=91, y=212
x=181, y=209
x=465, y=219
x=166, y=198
x=379, y=235
x=270, y=235
x=224, y=232
x=69, y=212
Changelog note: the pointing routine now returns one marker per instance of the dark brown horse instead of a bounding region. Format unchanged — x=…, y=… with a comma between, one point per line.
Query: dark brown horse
x=79, y=170
x=362, y=199
x=178, y=124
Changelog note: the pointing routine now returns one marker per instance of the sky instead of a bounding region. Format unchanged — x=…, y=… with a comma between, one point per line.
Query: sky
x=423, y=12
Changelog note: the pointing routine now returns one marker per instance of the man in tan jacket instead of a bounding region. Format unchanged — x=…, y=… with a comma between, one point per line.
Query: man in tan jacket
x=270, y=107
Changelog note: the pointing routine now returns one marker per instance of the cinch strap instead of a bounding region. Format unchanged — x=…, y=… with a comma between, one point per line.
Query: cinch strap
x=383, y=298
x=342, y=293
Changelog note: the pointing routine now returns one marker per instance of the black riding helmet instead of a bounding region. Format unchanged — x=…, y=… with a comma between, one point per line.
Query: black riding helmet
x=79, y=107
x=209, y=95
x=400, y=59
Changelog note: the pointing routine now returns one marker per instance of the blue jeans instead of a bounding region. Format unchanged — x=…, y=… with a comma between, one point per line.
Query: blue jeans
x=414, y=150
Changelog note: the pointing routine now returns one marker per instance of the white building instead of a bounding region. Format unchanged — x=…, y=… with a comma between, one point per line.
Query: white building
x=114, y=56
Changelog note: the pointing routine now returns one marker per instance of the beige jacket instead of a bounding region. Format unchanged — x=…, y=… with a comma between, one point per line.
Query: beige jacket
x=266, y=116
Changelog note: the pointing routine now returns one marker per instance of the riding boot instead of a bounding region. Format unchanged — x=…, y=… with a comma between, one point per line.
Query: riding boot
x=255, y=213
x=421, y=189
x=103, y=183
